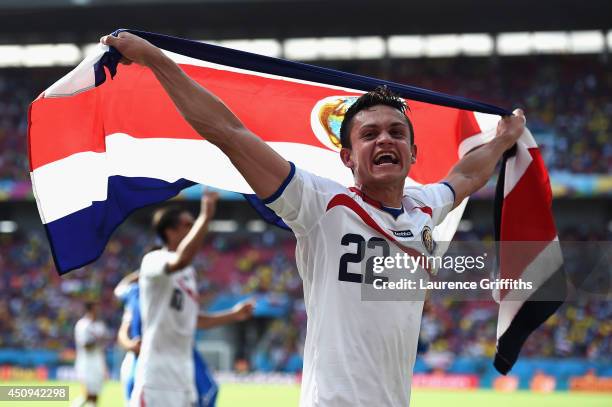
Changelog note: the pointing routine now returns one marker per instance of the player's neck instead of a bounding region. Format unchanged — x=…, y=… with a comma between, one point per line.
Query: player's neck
x=388, y=195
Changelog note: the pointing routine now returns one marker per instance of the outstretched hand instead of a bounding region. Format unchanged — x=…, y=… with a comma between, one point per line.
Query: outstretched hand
x=132, y=48
x=243, y=310
x=208, y=204
x=510, y=128
x=135, y=345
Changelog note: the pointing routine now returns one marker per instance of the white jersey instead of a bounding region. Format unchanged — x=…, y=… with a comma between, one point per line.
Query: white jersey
x=169, y=307
x=89, y=362
x=357, y=353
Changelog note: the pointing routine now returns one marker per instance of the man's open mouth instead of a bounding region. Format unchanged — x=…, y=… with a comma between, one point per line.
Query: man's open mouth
x=386, y=158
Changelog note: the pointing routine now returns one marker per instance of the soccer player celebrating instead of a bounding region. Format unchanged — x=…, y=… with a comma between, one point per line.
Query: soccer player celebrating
x=357, y=353
x=169, y=307
x=130, y=334
x=89, y=336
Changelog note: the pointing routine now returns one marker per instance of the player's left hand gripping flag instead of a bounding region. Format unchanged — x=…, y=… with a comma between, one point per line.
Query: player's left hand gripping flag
x=106, y=139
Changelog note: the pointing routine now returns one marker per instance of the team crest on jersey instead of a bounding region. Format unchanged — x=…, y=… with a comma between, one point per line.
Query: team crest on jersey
x=326, y=118
x=402, y=233
x=427, y=238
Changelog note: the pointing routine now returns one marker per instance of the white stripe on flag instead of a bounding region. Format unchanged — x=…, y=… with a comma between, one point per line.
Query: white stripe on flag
x=488, y=125
x=79, y=79
x=73, y=183
x=518, y=164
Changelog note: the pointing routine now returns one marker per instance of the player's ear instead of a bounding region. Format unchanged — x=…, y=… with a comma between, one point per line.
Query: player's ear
x=346, y=157
x=413, y=148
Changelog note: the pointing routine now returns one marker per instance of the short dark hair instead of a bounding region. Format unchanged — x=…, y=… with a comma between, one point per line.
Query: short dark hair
x=165, y=218
x=89, y=306
x=382, y=95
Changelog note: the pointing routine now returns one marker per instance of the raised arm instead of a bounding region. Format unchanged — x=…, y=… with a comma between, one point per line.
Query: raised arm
x=474, y=170
x=260, y=165
x=191, y=243
x=240, y=312
x=125, y=282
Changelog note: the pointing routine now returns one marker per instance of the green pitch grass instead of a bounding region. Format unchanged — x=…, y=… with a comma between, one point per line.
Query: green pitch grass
x=249, y=395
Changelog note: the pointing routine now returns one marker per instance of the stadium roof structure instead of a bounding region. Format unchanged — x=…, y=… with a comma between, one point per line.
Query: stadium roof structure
x=83, y=21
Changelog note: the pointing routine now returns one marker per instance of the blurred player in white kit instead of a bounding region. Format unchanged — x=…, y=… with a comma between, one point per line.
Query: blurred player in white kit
x=170, y=309
x=90, y=334
x=130, y=335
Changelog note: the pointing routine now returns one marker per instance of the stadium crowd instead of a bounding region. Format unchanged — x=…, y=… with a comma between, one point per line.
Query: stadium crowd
x=38, y=308
x=565, y=96
x=15, y=96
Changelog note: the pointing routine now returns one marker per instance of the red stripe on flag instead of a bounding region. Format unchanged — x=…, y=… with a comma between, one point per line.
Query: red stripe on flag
x=438, y=131
x=60, y=127
x=277, y=110
x=526, y=217
x=467, y=126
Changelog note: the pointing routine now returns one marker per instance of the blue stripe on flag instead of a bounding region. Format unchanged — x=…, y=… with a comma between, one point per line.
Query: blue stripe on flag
x=80, y=238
